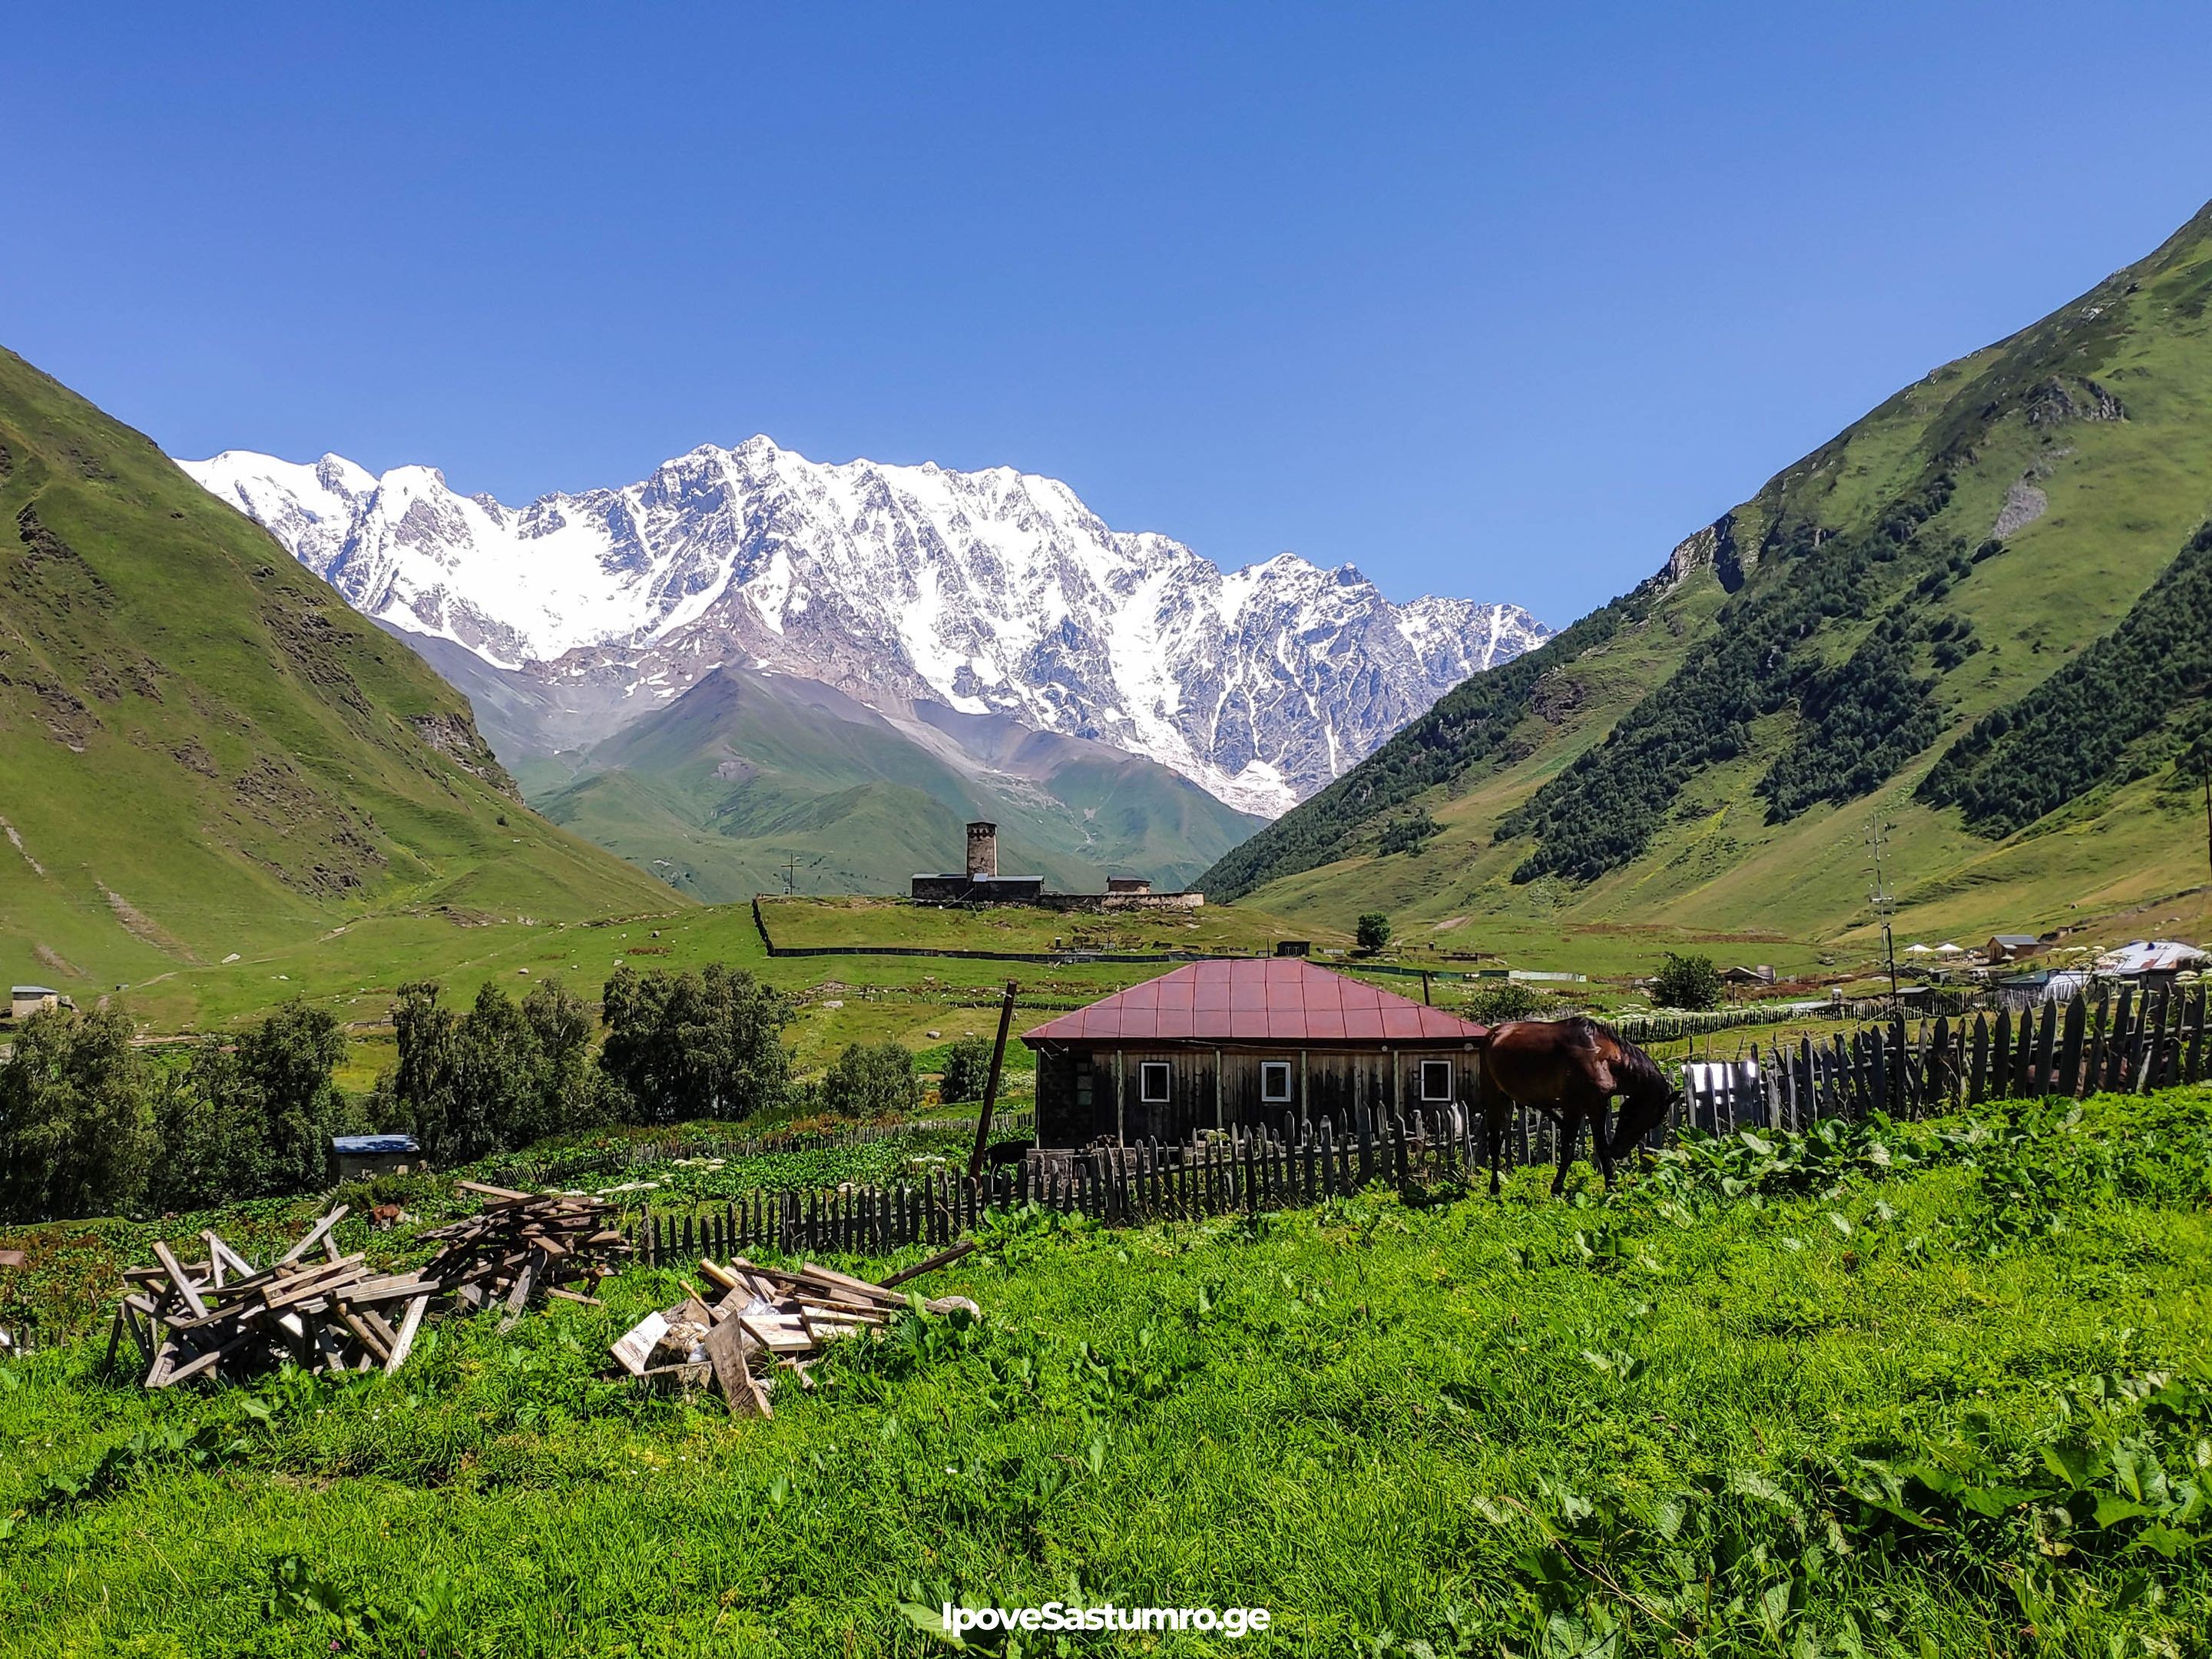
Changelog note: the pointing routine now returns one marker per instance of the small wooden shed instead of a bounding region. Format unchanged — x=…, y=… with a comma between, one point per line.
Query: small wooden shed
x=1214, y=1045
x=361, y=1158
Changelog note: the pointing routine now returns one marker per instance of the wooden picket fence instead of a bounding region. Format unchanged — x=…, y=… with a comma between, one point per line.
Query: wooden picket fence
x=1904, y=1069
x=1243, y=1170
x=2140, y=1040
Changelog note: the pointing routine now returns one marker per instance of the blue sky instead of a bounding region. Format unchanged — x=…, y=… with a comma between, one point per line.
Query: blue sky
x=1482, y=301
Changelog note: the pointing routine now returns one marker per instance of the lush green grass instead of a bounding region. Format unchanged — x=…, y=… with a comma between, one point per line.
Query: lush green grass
x=844, y=998
x=853, y=921
x=1684, y=1422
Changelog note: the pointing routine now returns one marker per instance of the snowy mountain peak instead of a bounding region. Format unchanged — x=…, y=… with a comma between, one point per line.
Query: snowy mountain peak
x=996, y=592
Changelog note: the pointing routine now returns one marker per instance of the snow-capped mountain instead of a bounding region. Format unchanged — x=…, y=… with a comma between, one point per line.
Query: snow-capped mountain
x=990, y=592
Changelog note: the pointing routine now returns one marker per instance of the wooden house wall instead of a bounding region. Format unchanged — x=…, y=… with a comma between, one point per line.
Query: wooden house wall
x=1210, y=1087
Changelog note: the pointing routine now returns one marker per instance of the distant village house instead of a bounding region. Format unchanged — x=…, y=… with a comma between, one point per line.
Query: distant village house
x=24, y=1000
x=2013, y=947
x=980, y=882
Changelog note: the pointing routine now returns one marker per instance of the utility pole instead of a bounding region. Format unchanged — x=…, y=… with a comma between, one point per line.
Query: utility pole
x=991, y=1085
x=1884, y=902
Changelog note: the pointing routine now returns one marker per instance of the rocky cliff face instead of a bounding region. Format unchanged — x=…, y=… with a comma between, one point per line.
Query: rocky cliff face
x=993, y=592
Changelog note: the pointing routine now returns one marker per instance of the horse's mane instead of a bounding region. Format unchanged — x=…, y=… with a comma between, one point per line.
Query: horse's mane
x=1646, y=1092
x=1631, y=1062
x=1635, y=1073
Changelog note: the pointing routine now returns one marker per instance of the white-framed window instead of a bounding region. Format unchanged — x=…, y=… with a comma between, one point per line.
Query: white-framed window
x=1436, y=1079
x=1153, y=1082
x=1274, y=1080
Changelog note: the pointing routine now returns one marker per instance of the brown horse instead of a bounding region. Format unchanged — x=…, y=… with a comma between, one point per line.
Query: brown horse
x=1570, y=1070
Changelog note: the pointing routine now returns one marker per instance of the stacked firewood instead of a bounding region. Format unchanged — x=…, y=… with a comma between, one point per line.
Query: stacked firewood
x=526, y=1246
x=336, y=1314
x=333, y=1312
x=763, y=1324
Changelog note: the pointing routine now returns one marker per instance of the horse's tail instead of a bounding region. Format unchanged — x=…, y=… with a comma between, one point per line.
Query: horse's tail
x=1645, y=1092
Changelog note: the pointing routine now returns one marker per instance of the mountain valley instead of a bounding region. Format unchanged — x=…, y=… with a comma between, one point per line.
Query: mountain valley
x=1975, y=619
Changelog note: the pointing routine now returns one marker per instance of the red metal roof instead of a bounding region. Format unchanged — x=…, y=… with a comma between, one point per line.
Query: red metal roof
x=1265, y=999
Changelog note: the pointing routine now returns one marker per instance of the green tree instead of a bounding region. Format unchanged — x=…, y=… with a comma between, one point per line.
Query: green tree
x=422, y=1082
x=1373, y=931
x=872, y=1080
x=214, y=1139
x=500, y=1076
x=564, y=1025
x=706, y=1044
x=497, y=1085
x=967, y=1069
x=285, y=1064
x=253, y=1118
x=76, y=1123
x=1688, y=983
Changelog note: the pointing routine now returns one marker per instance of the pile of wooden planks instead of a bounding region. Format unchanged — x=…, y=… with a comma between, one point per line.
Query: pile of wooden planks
x=765, y=1323
x=526, y=1246
x=335, y=1314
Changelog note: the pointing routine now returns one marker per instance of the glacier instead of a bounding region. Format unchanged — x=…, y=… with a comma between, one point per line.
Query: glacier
x=990, y=592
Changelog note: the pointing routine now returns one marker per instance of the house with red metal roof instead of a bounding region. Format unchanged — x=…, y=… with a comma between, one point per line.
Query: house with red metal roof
x=1216, y=1045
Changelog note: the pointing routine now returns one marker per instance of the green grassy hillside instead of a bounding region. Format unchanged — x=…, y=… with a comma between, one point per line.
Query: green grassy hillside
x=745, y=771
x=202, y=751
x=1708, y=751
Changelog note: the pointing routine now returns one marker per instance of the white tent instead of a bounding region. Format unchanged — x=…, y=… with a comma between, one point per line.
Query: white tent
x=1947, y=949
x=1918, y=951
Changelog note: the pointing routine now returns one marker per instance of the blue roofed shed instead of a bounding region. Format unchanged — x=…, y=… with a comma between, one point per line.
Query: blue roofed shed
x=359, y=1157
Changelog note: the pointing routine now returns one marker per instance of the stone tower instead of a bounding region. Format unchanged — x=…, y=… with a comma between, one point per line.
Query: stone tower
x=983, y=850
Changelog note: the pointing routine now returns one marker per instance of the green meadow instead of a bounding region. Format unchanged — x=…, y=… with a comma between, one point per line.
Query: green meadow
x=1915, y=1389
x=923, y=1002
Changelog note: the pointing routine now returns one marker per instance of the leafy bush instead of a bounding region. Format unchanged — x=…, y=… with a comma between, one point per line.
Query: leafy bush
x=2043, y=1164
x=967, y=1069
x=1373, y=931
x=872, y=1080
x=1690, y=982
x=1757, y=1164
x=1498, y=1001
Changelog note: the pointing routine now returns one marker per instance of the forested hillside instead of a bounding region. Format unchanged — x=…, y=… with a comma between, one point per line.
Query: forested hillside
x=1966, y=614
